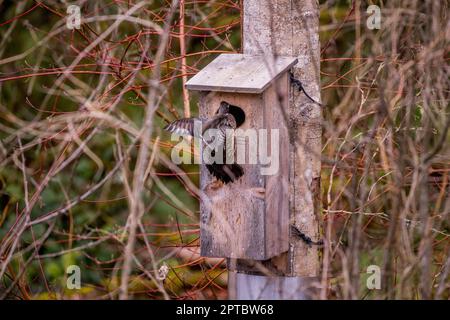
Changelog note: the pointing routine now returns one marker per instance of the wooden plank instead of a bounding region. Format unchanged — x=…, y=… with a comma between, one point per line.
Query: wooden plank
x=248, y=219
x=232, y=216
x=255, y=287
x=289, y=28
x=277, y=185
x=240, y=73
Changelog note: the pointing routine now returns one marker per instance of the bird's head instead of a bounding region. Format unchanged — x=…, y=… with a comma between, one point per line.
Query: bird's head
x=224, y=108
x=235, y=111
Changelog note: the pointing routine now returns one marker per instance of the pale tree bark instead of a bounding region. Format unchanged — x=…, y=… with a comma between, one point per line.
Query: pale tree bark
x=289, y=28
x=186, y=105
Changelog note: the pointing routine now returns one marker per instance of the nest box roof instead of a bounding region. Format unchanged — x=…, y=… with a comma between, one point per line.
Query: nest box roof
x=240, y=73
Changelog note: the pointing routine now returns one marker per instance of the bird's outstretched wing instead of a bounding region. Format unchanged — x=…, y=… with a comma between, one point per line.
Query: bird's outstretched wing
x=183, y=127
x=186, y=126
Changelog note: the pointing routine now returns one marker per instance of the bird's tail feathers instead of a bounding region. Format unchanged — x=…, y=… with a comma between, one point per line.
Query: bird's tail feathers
x=226, y=172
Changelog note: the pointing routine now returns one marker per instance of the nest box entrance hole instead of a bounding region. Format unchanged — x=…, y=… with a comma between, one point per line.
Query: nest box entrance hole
x=237, y=113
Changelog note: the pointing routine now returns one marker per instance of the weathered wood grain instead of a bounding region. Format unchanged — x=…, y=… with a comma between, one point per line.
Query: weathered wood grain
x=240, y=73
x=248, y=219
x=277, y=186
x=232, y=221
x=291, y=28
x=256, y=287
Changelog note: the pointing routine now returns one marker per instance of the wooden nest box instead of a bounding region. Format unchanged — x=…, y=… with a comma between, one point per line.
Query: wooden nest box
x=248, y=218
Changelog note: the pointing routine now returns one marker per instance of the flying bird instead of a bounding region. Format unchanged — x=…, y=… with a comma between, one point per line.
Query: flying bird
x=222, y=120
